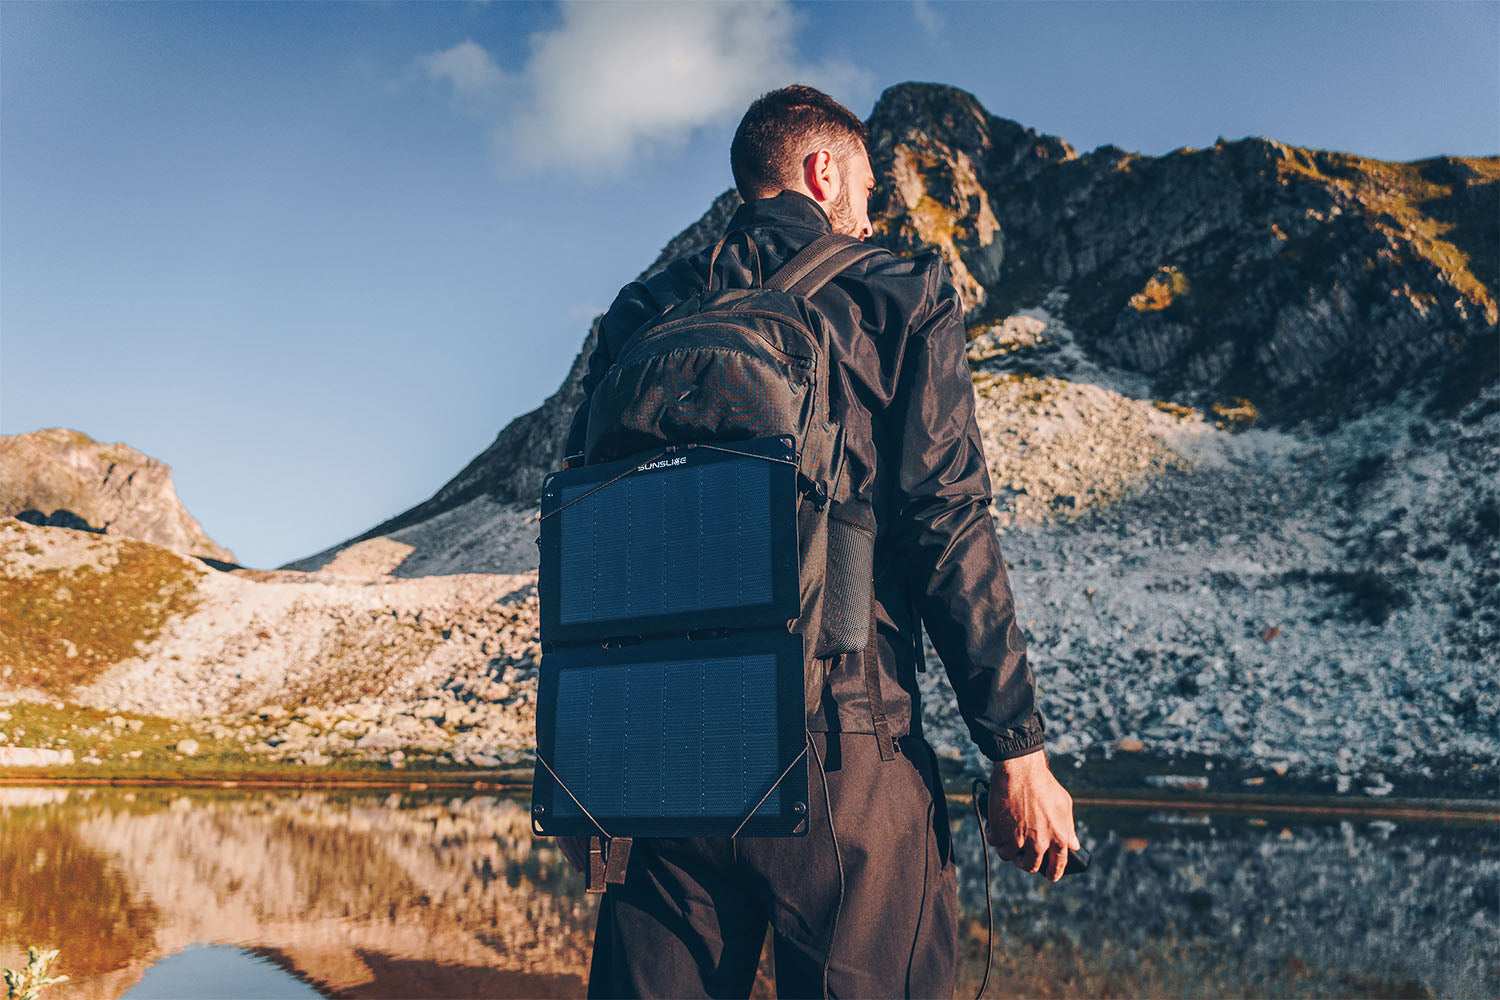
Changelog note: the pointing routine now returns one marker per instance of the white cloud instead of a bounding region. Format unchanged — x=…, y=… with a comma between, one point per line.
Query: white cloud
x=928, y=16
x=616, y=81
x=467, y=68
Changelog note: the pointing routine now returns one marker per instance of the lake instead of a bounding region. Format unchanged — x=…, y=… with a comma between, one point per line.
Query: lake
x=205, y=893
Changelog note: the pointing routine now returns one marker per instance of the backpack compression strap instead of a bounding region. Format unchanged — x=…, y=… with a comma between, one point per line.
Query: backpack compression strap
x=819, y=263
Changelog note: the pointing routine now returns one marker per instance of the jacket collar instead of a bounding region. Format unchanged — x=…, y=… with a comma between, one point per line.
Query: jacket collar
x=789, y=208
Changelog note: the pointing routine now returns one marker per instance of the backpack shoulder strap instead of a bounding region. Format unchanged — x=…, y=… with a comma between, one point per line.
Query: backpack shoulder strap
x=818, y=263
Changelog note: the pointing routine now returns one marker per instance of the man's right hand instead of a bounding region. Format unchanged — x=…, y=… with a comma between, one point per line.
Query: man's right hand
x=1031, y=816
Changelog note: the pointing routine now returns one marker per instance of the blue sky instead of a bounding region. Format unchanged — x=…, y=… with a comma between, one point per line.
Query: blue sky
x=314, y=255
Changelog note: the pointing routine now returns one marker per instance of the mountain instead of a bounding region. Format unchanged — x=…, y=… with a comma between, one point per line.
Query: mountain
x=63, y=478
x=1302, y=286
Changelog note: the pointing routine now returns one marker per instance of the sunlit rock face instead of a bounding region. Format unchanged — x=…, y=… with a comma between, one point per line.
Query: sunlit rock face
x=66, y=479
x=1314, y=284
x=939, y=154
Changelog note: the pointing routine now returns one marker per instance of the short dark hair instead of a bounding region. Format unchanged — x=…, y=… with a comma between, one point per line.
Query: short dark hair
x=779, y=131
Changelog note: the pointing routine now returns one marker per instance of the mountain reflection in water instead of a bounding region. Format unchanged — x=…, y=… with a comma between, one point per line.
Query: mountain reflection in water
x=422, y=894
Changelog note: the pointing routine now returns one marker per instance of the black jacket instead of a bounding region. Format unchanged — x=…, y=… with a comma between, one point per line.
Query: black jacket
x=907, y=406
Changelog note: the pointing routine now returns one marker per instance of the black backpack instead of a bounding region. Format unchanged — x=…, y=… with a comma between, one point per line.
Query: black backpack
x=746, y=364
x=699, y=571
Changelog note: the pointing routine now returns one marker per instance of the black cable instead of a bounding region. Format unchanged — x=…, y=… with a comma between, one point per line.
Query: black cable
x=989, y=906
x=838, y=859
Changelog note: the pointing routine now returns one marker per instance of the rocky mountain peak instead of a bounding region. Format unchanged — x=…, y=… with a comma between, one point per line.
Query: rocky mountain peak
x=64, y=478
x=933, y=114
x=1312, y=284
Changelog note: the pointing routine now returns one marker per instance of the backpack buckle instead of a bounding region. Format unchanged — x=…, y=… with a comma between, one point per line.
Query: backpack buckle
x=815, y=492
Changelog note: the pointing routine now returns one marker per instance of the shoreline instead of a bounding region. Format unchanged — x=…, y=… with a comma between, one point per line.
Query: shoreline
x=1288, y=803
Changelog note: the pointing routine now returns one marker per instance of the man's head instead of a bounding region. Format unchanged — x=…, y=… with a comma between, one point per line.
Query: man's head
x=800, y=139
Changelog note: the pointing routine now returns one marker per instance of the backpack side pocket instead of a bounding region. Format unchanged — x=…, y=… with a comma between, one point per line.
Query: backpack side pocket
x=849, y=585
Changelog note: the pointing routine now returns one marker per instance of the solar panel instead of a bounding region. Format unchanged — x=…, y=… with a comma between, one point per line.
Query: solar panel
x=673, y=737
x=695, y=539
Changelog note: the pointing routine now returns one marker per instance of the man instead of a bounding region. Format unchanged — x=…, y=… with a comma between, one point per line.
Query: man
x=866, y=903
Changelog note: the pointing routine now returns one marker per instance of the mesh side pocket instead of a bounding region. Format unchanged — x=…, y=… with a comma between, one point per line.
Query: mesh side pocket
x=849, y=587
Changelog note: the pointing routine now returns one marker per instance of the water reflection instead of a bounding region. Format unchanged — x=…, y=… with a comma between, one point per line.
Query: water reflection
x=219, y=972
x=1183, y=904
x=420, y=894
x=362, y=895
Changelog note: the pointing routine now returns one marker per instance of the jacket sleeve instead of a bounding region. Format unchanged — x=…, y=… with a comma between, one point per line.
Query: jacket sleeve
x=945, y=534
x=637, y=302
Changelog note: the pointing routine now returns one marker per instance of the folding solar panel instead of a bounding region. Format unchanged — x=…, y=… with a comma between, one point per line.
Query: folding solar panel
x=673, y=737
x=671, y=697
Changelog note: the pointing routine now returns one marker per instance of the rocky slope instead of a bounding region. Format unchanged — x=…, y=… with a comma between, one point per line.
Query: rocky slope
x=1325, y=602
x=67, y=479
x=305, y=667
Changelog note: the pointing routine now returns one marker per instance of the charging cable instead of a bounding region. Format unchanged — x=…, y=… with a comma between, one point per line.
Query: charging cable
x=838, y=859
x=1078, y=862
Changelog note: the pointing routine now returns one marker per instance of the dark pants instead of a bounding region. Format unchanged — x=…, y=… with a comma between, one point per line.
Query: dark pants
x=691, y=917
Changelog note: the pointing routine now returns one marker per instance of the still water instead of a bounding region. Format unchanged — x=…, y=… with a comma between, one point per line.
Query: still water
x=233, y=893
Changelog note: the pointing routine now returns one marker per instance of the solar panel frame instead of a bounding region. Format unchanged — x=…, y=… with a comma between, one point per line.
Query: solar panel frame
x=710, y=743
x=567, y=562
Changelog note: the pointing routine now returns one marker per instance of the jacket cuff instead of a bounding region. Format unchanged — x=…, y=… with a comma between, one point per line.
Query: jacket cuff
x=1013, y=742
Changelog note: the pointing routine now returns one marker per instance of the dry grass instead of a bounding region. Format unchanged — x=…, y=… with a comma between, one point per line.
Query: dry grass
x=66, y=625
x=143, y=748
x=1236, y=415
x=1394, y=197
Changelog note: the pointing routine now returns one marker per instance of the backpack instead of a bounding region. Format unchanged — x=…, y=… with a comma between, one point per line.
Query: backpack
x=740, y=364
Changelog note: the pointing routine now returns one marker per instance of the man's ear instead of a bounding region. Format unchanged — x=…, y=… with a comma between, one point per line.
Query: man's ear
x=821, y=175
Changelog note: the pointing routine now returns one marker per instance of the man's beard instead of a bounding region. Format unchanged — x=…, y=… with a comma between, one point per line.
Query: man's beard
x=841, y=214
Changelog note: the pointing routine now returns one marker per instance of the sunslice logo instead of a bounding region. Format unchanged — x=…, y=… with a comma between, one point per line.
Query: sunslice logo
x=662, y=463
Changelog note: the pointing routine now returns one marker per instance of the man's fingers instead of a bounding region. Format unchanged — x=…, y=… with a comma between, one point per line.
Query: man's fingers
x=1057, y=862
x=1006, y=842
x=1050, y=862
